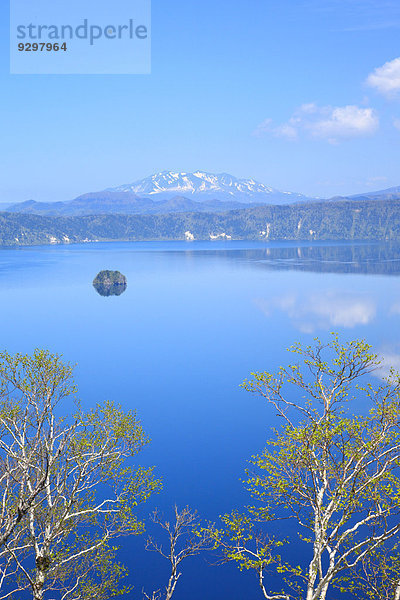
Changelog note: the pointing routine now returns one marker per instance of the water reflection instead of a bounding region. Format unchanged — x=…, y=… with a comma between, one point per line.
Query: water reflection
x=114, y=289
x=321, y=310
x=389, y=355
x=193, y=317
x=367, y=258
x=109, y=283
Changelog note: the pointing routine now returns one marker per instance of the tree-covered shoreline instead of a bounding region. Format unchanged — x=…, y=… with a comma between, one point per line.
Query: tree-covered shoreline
x=340, y=220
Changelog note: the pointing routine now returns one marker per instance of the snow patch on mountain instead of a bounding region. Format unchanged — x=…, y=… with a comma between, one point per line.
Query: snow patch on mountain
x=205, y=186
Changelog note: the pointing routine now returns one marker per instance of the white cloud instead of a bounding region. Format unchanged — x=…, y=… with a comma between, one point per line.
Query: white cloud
x=309, y=108
x=396, y=123
x=286, y=131
x=345, y=122
x=325, y=122
x=386, y=79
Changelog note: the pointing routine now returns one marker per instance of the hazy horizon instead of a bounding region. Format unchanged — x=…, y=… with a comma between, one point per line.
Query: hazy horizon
x=361, y=192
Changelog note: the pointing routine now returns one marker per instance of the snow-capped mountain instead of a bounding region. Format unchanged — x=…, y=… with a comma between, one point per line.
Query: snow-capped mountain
x=206, y=186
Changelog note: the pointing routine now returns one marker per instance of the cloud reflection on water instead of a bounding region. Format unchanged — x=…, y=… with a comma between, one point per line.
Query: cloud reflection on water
x=321, y=310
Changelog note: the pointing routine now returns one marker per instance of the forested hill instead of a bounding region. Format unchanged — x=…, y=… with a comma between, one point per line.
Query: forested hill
x=341, y=220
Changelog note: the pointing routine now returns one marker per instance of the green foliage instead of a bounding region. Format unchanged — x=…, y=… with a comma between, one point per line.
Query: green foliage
x=376, y=577
x=26, y=378
x=98, y=574
x=87, y=488
x=334, y=473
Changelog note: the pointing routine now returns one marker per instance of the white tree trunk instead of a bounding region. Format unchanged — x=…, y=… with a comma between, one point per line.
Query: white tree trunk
x=42, y=564
x=397, y=591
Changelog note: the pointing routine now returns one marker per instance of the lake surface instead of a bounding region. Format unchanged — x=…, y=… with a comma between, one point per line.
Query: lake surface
x=194, y=321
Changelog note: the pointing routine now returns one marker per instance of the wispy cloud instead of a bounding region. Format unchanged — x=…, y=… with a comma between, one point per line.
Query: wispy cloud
x=359, y=15
x=386, y=79
x=331, y=123
x=373, y=181
x=396, y=123
x=372, y=26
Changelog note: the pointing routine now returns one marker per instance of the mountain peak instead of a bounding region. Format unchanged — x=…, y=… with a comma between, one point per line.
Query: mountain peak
x=203, y=186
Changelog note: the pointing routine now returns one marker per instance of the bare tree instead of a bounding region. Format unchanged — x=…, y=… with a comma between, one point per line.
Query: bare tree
x=89, y=494
x=185, y=538
x=333, y=473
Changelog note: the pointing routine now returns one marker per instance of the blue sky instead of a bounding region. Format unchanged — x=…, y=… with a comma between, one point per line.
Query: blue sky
x=301, y=95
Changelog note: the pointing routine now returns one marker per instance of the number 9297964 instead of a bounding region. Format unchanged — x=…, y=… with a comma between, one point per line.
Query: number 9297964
x=41, y=47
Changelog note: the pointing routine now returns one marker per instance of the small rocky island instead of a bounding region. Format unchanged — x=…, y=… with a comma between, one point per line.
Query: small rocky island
x=110, y=283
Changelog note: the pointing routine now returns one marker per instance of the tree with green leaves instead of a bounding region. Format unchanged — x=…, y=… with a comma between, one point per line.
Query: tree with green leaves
x=333, y=473
x=376, y=576
x=21, y=434
x=89, y=488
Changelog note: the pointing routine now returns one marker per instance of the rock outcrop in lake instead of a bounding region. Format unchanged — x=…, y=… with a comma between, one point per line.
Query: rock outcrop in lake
x=110, y=283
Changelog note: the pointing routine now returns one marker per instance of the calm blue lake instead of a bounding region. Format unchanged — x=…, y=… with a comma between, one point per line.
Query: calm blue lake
x=194, y=321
